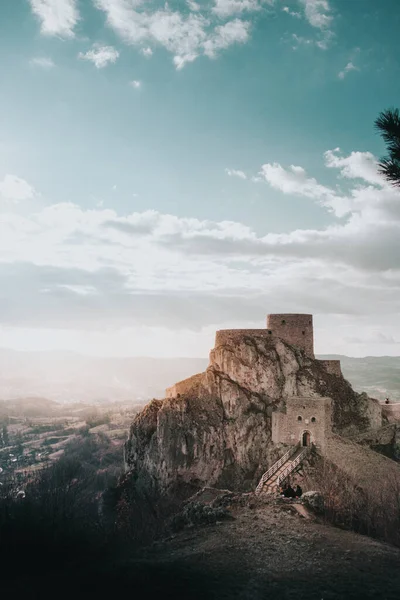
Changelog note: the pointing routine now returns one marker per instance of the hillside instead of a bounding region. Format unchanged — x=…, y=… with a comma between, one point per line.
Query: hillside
x=379, y=376
x=264, y=551
x=269, y=551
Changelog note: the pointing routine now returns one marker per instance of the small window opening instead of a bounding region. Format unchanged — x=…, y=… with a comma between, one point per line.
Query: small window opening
x=313, y=419
x=299, y=418
x=269, y=331
x=303, y=332
x=283, y=321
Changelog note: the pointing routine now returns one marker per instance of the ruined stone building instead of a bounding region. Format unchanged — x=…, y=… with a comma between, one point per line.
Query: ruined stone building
x=263, y=393
x=306, y=420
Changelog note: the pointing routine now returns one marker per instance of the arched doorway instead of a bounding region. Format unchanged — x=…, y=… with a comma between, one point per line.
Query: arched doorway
x=306, y=438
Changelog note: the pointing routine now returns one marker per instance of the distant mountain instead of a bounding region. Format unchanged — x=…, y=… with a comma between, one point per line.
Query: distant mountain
x=70, y=377
x=379, y=376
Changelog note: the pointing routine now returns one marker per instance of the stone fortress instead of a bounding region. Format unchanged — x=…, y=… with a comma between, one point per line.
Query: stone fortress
x=294, y=329
x=305, y=420
x=263, y=399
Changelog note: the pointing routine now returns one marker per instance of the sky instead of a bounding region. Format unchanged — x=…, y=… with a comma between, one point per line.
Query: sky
x=169, y=169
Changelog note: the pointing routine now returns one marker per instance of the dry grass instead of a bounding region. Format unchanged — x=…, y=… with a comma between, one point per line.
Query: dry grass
x=371, y=508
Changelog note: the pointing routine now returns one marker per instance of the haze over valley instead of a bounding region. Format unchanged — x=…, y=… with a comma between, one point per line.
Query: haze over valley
x=69, y=377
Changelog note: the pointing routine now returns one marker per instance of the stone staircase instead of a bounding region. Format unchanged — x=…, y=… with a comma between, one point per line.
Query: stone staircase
x=280, y=471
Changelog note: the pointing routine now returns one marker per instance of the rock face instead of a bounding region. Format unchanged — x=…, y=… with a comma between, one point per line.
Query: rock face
x=215, y=429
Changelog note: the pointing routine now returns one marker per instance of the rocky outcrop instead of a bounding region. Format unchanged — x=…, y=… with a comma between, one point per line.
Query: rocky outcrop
x=385, y=440
x=218, y=432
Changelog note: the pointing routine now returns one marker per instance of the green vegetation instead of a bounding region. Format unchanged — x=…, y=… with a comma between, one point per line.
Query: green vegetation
x=388, y=124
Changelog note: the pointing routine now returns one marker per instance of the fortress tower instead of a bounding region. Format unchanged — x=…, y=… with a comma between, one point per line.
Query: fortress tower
x=293, y=329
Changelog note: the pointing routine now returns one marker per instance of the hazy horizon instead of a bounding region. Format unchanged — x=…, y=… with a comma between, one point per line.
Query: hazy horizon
x=167, y=358
x=167, y=170
x=73, y=377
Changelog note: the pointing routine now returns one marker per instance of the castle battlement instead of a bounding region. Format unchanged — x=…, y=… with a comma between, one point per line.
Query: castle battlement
x=293, y=329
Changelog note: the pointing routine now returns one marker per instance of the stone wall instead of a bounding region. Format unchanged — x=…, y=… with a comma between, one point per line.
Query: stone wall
x=185, y=387
x=293, y=329
x=332, y=366
x=234, y=336
x=311, y=414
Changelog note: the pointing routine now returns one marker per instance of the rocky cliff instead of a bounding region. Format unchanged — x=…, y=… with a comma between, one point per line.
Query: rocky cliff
x=216, y=428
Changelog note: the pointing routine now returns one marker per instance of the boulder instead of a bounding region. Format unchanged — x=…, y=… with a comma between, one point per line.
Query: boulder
x=313, y=500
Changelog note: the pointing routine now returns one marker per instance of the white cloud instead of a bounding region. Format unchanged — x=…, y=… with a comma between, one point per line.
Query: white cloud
x=42, y=61
x=357, y=165
x=371, y=197
x=326, y=38
x=185, y=36
x=294, y=180
x=58, y=17
x=322, y=42
x=300, y=40
x=227, y=8
x=236, y=173
x=317, y=13
x=348, y=68
x=235, y=31
x=194, y=6
x=292, y=13
x=136, y=84
x=147, y=52
x=100, y=55
x=15, y=189
x=95, y=269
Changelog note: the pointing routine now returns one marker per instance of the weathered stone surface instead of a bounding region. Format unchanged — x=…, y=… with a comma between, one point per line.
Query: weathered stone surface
x=218, y=433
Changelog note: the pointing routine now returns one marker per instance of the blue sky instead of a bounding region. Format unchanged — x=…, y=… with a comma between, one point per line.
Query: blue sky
x=170, y=169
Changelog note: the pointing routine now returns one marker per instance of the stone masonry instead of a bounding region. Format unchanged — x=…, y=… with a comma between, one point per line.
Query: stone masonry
x=296, y=330
x=307, y=421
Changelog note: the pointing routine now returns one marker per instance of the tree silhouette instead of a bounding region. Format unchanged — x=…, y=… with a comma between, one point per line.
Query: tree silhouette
x=388, y=124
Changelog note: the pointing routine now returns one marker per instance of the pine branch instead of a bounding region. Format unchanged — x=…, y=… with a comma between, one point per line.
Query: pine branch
x=390, y=169
x=388, y=123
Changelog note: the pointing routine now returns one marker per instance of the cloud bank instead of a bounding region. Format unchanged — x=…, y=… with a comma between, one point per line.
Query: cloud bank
x=64, y=264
